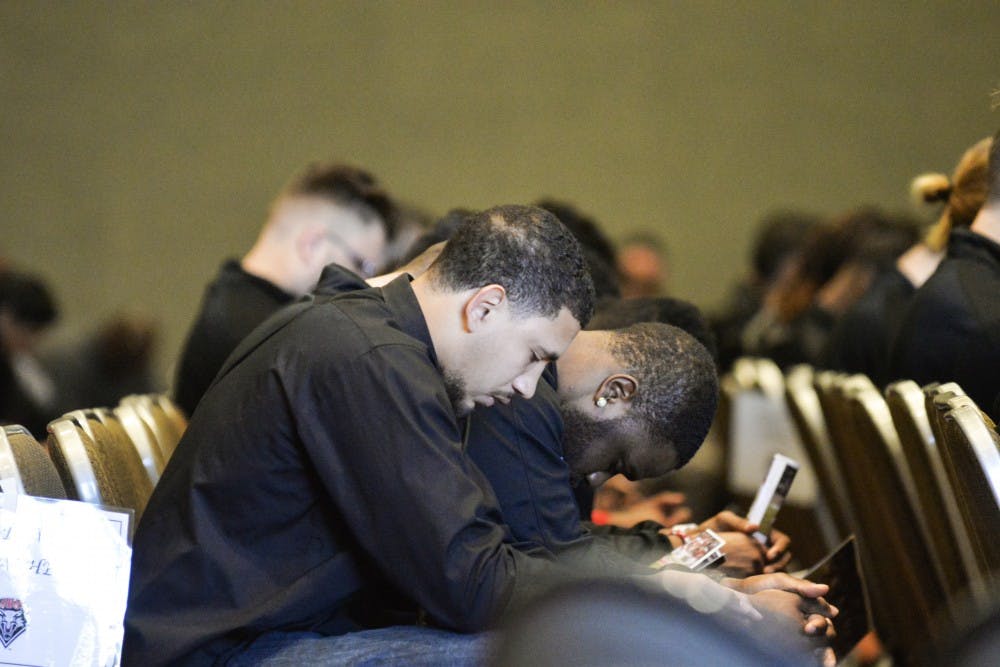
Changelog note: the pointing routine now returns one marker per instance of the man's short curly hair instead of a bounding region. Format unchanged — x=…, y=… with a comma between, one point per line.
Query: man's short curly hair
x=678, y=387
x=528, y=252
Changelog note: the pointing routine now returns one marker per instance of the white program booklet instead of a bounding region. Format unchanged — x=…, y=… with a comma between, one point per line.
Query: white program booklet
x=64, y=571
x=771, y=494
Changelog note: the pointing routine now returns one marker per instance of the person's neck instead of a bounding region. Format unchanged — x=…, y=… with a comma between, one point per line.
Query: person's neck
x=987, y=222
x=442, y=311
x=270, y=265
x=918, y=263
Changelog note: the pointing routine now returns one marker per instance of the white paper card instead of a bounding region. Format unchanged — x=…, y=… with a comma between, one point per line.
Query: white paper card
x=64, y=571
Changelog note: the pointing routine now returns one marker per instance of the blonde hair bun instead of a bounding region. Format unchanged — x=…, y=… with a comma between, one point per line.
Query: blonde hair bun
x=930, y=188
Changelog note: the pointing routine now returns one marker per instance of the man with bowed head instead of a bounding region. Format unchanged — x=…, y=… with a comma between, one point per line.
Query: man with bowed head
x=327, y=458
x=328, y=213
x=328, y=451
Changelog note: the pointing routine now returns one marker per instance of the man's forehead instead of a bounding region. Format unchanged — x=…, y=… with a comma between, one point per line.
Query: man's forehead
x=553, y=334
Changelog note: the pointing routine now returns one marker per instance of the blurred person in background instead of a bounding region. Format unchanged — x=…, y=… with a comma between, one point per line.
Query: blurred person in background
x=329, y=214
x=860, y=341
x=779, y=240
x=113, y=361
x=951, y=328
x=643, y=266
x=27, y=312
x=837, y=265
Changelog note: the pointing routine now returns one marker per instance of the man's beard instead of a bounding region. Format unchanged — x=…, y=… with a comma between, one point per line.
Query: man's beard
x=585, y=440
x=455, y=387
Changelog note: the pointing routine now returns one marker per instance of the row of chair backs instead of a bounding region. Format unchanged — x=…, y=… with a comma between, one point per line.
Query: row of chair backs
x=904, y=576
x=161, y=416
x=104, y=456
x=26, y=465
x=916, y=475
x=971, y=458
x=807, y=413
x=935, y=498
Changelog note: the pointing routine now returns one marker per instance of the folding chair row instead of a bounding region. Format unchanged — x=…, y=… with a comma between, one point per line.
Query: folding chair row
x=971, y=457
x=916, y=476
x=111, y=457
x=97, y=461
x=26, y=465
x=161, y=415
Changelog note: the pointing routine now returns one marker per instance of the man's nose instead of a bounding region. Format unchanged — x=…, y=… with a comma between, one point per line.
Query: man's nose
x=526, y=383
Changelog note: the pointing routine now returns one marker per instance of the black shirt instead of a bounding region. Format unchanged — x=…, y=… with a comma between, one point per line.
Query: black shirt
x=234, y=303
x=861, y=338
x=951, y=330
x=518, y=447
x=325, y=455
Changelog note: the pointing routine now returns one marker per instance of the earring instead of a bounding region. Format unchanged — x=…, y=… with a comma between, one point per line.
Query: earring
x=601, y=402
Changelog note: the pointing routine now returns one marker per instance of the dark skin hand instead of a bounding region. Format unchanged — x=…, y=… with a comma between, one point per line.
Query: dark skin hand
x=793, y=603
x=746, y=556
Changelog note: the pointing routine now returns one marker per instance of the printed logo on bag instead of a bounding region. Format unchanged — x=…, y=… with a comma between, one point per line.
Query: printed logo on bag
x=12, y=621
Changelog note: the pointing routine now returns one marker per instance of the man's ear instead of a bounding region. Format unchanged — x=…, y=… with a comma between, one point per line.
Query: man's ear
x=481, y=306
x=308, y=242
x=617, y=387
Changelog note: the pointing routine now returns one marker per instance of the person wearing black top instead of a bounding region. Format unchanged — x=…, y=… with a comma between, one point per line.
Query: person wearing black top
x=519, y=446
x=327, y=453
x=331, y=213
x=861, y=340
x=861, y=337
x=951, y=331
x=27, y=312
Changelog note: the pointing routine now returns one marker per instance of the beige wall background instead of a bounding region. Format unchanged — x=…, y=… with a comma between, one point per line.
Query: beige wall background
x=142, y=142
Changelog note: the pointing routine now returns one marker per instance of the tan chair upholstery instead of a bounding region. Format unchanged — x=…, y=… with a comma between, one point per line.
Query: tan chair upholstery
x=24, y=460
x=142, y=439
x=936, y=499
x=176, y=416
x=117, y=447
x=908, y=590
x=101, y=463
x=68, y=448
x=971, y=454
x=804, y=406
x=166, y=429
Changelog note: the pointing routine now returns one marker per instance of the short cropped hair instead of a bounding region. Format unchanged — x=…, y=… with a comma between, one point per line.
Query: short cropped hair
x=678, y=388
x=345, y=185
x=620, y=313
x=528, y=252
x=598, y=251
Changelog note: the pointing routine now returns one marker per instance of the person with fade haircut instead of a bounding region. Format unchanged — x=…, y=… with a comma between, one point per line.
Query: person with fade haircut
x=328, y=453
x=329, y=213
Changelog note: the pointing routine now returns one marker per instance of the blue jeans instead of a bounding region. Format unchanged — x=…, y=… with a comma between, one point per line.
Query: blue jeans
x=397, y=645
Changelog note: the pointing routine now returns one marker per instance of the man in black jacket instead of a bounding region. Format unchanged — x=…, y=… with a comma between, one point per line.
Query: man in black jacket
x=329, y=213
x=328, y=448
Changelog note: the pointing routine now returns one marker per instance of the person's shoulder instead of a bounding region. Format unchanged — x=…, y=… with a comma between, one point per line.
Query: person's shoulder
x=359, y=321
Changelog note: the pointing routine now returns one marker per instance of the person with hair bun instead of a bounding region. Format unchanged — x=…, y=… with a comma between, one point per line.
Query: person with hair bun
x=951, y=328
x=963, y=194
x=860, y=341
